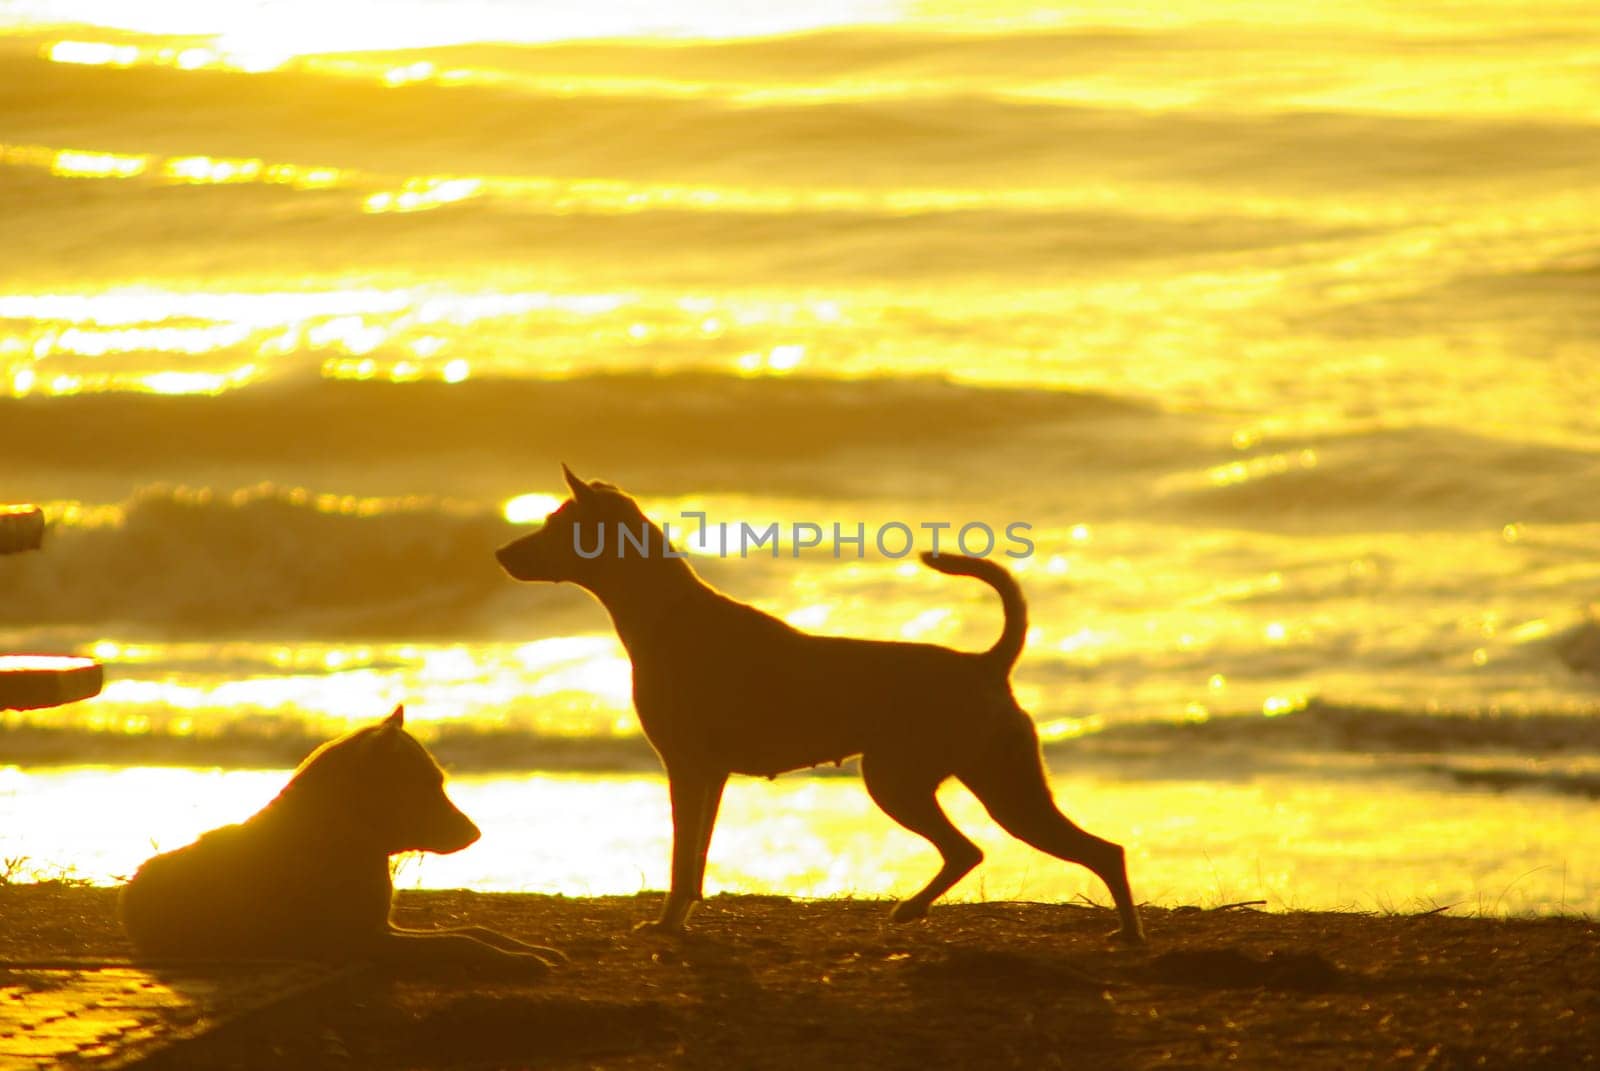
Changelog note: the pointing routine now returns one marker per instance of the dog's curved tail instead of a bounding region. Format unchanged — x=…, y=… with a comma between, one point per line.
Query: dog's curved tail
x=1003, y=655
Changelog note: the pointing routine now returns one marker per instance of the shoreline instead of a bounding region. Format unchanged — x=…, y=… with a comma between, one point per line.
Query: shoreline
x=768, y=982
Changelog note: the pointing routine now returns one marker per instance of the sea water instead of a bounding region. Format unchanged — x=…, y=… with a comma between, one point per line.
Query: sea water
x=1274, y=324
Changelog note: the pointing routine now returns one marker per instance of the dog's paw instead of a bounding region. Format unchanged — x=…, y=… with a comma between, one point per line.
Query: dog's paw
x=553, y=956
x=550, y=957
x=659, y=927
x=908, y=911
x=1128, y=937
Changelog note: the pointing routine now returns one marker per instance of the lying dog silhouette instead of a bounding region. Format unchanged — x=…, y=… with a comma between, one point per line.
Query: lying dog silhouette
x=722, y=688
x=308, y=876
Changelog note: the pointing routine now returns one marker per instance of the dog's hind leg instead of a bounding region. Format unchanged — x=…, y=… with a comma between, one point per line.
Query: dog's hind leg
x=1009, y=779
x=696, y=797
x=908, y=795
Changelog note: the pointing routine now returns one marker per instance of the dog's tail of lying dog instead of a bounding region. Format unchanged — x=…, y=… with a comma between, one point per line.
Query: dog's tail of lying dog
x=1003, y=655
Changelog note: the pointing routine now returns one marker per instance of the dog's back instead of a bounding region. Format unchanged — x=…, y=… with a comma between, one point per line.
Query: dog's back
x=308, y=876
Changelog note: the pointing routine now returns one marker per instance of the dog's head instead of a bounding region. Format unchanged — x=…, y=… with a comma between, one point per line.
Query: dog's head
x=382, y=783
x=588, y=538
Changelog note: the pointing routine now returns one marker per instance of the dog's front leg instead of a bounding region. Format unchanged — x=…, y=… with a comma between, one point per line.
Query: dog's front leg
x=696, y=795
x=494, y=938
x=444, y=948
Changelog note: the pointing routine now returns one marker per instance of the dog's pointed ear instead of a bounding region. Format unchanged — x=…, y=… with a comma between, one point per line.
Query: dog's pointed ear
x=396, y=720
x=581, y=492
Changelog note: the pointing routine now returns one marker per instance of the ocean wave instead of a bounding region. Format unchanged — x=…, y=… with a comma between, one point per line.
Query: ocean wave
x=955, y=132
x=488, y=438
x=485, y=440
x=1557, y=753
x=265, y=559
x=674, y=233
x=298, y=557
x=1335, y=727
x=276, y=559
x=1392, y=480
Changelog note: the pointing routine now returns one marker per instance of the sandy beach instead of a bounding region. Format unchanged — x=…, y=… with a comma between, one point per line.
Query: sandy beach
x=767, y=982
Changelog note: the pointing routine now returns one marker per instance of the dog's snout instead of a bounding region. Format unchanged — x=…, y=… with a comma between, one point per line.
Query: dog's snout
x=453, y=831
x=509, y=556
x=522, y=560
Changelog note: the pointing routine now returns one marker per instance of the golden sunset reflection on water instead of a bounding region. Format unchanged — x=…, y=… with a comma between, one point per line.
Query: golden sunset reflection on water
x=1290, y=842
x=562, y=686
x=380, y=43
x=241, y=38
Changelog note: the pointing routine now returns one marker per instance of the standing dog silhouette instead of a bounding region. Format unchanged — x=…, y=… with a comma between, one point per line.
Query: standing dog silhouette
x=723, y=688
x=308, y=876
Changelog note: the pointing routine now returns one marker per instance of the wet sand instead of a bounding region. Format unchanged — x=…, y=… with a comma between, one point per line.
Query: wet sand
x=766, y=982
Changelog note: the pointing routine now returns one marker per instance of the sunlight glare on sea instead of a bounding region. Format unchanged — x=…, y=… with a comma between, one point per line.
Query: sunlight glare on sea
x=1274, y=323
x=1204, y=843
